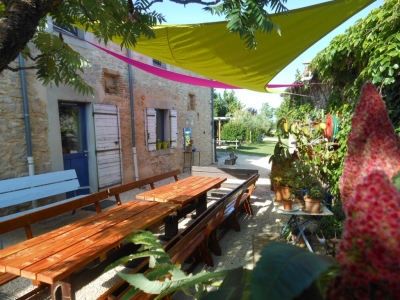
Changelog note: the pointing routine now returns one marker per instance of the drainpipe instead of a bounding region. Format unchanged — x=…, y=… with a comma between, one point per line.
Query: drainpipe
x=31, y=167
x=130, y=76
x=214, y=150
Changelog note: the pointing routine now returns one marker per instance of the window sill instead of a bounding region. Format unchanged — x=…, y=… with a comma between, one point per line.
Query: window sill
x=161, y=152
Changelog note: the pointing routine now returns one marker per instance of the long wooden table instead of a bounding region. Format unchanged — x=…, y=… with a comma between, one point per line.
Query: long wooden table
x=52, y=257
x=190, y=193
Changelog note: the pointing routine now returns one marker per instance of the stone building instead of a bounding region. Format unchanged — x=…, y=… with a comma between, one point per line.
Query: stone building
x=109, y=138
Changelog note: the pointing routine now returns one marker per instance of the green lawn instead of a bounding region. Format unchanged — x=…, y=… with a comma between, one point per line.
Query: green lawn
x=261, y=149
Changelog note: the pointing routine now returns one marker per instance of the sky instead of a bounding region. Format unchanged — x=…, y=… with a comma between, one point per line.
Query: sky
x=193, y=13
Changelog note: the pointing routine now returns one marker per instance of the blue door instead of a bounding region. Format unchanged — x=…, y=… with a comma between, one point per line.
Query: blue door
x=74, y=144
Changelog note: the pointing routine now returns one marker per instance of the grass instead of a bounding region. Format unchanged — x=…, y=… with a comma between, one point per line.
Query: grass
x=259, y=149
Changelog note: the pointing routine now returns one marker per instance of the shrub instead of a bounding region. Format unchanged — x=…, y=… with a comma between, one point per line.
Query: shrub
x=233, y=131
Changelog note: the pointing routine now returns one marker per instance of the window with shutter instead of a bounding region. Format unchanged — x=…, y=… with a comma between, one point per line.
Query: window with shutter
x=150, y=129
x=174, y=128
x=161, y=126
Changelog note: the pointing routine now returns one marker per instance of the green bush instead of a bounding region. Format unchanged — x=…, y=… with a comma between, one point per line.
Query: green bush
x=332, y=225
x=232, y=131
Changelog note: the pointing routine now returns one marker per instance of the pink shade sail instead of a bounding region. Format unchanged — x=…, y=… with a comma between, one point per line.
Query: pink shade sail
x=180, y=77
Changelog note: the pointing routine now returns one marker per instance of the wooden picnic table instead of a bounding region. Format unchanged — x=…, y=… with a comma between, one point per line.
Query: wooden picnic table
x=190, y=193
x=52, y=257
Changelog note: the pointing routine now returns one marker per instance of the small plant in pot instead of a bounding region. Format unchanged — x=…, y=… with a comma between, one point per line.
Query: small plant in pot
x=282, y=179
x=313, y=199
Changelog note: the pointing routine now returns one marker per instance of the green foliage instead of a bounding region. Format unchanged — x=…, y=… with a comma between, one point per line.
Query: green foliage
x=248, y=17
x=260, y=149
x=282, y=176
x=280, y=266
x=128, y=19
x=227, y=104
x=233, y=130
x=315, y=192
x=165, y=277
x=332, y=226
x=60, y=64
x=334, y=167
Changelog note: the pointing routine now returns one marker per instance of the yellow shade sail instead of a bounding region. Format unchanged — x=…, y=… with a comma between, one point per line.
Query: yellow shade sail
x=210, y=50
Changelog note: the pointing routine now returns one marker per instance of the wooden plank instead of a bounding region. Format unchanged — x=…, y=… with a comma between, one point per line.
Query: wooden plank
x=105, y=242
x=76, y=235
x=39, y=192
x=25, y=257
x=143, y=182
x=20, y=183
x=174, y=187
x=105, y=108
x=63, y=230
x=29, y=217
x=160, y=193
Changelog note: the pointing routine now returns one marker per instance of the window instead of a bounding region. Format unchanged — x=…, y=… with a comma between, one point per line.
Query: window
x=161, y=126
x=158, y=63
x=69, y=31
x=192, y=102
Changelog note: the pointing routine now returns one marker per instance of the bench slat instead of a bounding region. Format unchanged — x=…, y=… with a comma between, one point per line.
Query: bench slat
x=39, y=192
x=14, y=184
x=28, y=217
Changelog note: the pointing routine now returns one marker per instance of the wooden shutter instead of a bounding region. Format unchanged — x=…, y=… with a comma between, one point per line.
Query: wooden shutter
x=173, y=115
x=150, y=129
x=108, y=145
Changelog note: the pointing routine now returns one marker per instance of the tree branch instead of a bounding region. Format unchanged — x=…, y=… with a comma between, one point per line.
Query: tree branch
x=152, y=2
x=85, y=11
x=206, y=3
x=19, y=68
x=31, y=57
x=18, y=24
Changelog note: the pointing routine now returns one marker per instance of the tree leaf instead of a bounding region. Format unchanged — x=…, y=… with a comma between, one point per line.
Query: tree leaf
x=285, y=271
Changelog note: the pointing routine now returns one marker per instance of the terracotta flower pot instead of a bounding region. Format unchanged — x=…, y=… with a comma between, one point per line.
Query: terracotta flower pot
x=287, y=204
x=282, y=193
x=189, y=148
x=312, y=206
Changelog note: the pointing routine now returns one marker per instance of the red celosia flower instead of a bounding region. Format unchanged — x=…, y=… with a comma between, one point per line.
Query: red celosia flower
x=369, y=254
x=373, y=144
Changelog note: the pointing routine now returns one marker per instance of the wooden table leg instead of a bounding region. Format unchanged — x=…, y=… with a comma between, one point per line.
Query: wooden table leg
x=67, y=290
x=201, y=204
x=171, y=226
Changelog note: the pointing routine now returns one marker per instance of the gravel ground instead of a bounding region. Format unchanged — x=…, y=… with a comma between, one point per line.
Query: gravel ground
x=237, y=247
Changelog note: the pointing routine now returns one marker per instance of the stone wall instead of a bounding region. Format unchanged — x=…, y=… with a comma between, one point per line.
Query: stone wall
x=147, y=89
x=150, y=90
x=13, y=149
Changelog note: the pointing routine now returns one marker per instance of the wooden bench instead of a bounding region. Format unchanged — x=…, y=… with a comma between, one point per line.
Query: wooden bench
x=194, y=242
x=32, y=188
x=231, y=160
x=230, y=173
x=229, y=217
x=26, y=218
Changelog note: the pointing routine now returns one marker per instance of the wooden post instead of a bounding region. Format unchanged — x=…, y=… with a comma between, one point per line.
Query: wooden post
x=219, y=132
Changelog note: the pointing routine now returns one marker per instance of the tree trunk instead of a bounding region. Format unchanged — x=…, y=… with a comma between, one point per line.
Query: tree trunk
x=18, y=24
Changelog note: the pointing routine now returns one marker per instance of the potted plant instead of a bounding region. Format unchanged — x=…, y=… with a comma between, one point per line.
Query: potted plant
x=158, y=145
x=313, y=199
x=189, y=145
x=164, y=144
x=282, y=179
x=306, y=175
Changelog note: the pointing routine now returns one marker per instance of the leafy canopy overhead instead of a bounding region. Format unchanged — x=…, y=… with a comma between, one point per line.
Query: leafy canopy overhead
x=56, y=62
